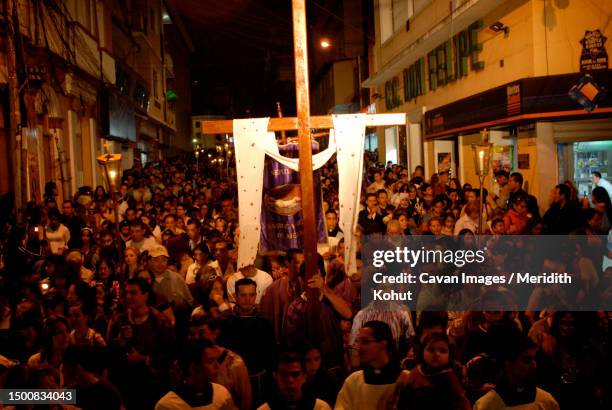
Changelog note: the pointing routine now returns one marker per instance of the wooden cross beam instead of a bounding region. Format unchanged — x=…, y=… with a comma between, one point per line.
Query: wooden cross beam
x=304, y=123
x=290, y=123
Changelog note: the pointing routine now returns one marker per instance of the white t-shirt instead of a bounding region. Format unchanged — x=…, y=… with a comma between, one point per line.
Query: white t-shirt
x=58, y=240
x=222, y=400
x=493, y=401
x=319, y=405
x=261, y=278
x=145, y=245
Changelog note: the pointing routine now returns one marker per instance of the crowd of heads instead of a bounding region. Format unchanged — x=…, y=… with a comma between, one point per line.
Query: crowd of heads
x=134, y=298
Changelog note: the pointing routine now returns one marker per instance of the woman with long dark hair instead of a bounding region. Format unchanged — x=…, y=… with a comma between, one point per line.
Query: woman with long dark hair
x=213, y=298
x=601, y=202
x=89, y=248
x=105, y=272
x=100, y=195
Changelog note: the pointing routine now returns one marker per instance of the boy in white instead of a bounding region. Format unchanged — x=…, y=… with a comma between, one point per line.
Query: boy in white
x=364, y=389
x=200, y=363
x=516, y=388
x=290, y=376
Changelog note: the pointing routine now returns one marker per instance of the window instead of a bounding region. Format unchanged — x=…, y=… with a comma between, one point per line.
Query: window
x=401, y=13
x=122, y=80
x=141, y=97
x=395, y=13
x=153, y=22
x=85, y=13
x=155, y=84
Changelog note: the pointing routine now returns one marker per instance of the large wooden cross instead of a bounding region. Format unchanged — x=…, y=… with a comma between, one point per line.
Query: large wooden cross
x=303, y=124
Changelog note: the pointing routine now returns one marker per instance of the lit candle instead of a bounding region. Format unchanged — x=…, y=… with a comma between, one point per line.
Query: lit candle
x=481, y=161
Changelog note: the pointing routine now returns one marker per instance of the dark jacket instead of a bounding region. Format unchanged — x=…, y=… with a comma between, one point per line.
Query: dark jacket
x=251, y=337
x=371, y=225
x=561, y=221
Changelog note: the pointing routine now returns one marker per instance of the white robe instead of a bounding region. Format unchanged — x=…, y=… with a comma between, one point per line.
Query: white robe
x=356, y=394
x=222, y=400
x=493, y=401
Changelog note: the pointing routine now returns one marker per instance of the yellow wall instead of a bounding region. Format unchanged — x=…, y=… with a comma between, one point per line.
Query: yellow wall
x=544, y=39
x=523, y=51
x=516, y=51
x=566, y=23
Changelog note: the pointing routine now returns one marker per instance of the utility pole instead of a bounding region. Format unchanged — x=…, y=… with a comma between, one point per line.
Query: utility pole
x=16, y=143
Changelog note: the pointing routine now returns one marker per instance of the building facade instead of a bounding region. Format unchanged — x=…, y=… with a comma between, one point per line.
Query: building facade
x=507, y=67
x=89, y=76
x=62, y=59
x=149, y=109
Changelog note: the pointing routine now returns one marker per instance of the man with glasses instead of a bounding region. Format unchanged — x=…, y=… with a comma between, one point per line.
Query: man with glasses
x=364, y=389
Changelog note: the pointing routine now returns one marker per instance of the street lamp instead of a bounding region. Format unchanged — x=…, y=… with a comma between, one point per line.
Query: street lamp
x=112, y=169
x=482, y=160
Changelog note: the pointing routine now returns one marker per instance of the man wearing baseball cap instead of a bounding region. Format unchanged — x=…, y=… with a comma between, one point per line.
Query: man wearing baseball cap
x=167, y=282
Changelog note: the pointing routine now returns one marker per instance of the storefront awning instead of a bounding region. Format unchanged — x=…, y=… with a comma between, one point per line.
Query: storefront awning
x=521, y=101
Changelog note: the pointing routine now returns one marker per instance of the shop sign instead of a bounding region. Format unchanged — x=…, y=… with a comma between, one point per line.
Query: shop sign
x=449, y=61
x=414, y=80
x=392, y=94
x=513, y=99
x=534, y=95
x=443, y=65
x=594, y=55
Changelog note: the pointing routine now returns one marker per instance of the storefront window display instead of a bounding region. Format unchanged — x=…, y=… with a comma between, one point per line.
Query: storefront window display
x=578, y=160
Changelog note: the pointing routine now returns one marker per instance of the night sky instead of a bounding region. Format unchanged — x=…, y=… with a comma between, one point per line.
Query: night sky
x=243, y=60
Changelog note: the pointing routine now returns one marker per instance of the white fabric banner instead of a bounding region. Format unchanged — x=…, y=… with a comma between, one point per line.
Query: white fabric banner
x=253, y=141
x=350, y=139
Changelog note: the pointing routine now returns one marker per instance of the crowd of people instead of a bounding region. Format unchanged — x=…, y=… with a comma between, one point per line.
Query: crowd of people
x=145, y=308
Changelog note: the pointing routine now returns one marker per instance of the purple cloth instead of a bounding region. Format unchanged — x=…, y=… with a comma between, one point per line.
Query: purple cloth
x=281, y=232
